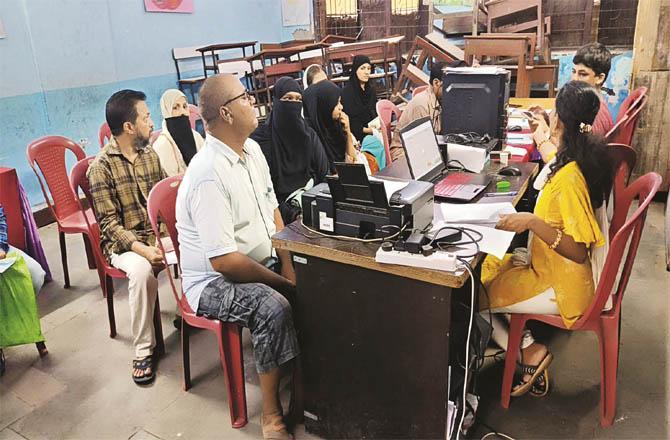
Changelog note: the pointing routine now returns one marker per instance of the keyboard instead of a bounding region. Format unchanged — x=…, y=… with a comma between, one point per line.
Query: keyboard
x=461, y=191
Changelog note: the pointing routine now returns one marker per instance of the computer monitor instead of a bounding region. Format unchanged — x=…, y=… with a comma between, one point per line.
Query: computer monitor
x=421, y=150
x=475, y=100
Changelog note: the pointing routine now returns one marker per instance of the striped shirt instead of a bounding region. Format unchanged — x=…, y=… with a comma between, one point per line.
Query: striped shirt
x=120, y=190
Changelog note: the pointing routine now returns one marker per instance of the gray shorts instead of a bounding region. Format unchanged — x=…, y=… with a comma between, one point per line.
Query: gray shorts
x=263, y=310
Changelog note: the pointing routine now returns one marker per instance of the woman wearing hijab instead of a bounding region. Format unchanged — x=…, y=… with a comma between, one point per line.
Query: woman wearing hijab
x=293, y=150
x=178, y=142
x=359, y=98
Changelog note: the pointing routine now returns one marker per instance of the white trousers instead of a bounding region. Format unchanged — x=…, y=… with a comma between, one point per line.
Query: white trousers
x=544, y=304
x=142, y=292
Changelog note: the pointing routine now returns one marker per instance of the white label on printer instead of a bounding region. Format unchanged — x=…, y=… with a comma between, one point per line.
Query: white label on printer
x=325, y=222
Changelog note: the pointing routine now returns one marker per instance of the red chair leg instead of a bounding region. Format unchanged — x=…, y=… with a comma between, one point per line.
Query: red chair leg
x=158, y=329
x=186, y=354
x=109, y=293
x=609, y=358
x=63, y=257
x=89, y=252
x=513, y=343
x=230, y=352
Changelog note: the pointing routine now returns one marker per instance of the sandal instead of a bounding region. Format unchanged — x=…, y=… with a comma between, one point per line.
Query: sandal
x=535, y=371
x=144, y=365
x=540, y=387
x=275, y=428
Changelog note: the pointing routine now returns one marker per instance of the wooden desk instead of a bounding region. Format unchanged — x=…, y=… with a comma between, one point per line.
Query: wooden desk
x=545, y=103
x=214, y=48
x=375, y=339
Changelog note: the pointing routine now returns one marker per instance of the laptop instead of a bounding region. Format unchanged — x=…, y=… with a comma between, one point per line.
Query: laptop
x=425, y=163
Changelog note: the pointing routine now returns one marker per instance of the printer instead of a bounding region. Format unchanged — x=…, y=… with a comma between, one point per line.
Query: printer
x=353, y=205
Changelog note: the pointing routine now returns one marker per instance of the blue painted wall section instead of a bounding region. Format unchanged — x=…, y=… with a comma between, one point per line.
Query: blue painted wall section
x=62, y=59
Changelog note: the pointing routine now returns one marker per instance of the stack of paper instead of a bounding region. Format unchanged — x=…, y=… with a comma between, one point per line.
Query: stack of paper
x=472, y=213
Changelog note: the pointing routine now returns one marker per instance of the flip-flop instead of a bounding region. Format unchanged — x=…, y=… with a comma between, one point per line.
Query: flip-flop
x=535, y=371
x=143, y=365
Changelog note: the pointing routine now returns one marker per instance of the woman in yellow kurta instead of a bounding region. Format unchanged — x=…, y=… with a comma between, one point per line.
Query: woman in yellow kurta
x=558, y=278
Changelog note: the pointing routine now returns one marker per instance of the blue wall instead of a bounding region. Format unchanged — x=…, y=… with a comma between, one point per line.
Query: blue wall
x=62, y=59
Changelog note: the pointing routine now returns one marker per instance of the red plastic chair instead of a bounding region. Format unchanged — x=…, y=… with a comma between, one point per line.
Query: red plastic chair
x=419, y=90
x=386, y=109
x=623, y=159
x=106, y=272
x=605, y=324
x=193, y=115
x=626, y=121
x=161, y=207
x=48, y=154
x=104, y=134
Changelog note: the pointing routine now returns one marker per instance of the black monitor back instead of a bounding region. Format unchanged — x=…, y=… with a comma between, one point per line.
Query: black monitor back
x=474, y=102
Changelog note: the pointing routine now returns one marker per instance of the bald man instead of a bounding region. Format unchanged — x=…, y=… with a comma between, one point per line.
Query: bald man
x=226, y=213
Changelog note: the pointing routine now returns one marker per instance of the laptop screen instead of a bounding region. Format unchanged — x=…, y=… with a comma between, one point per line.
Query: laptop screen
x=421, y=149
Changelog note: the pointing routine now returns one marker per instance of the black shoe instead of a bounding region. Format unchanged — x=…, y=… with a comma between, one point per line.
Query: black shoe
x=177, y=323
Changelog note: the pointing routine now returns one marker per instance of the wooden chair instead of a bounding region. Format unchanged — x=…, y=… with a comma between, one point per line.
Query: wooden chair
x=184, y=54
x=424, y=51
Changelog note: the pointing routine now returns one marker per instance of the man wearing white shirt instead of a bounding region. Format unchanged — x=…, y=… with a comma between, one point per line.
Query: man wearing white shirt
x=226, y=215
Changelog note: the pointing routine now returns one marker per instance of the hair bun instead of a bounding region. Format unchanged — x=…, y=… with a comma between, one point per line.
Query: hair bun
x=585, y=128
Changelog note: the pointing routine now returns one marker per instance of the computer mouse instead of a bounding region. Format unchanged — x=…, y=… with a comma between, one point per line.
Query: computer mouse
x=509, y=171
x=514, y=128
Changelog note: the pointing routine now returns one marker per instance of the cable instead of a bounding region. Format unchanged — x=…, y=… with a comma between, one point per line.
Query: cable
x=467, y=347
x=344, y=237
x=499, y=434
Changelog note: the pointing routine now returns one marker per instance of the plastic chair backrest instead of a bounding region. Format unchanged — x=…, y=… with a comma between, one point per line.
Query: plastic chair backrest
x=385, y=110
x=193, y=115
x=623, y=159
x=104, y=134
x=629, y=113
x=161, y=207
x=419, y=90
x=79, y=180
x=643, y=189
x=48, y=154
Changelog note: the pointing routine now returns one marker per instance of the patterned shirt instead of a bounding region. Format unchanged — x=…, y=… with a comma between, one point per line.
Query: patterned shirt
x=120, y=190
x=4, y=242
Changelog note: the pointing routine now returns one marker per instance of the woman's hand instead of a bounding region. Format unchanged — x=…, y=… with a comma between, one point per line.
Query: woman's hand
x=541, y=130
x=344, y=120
x=2, y=254
x=519, y=222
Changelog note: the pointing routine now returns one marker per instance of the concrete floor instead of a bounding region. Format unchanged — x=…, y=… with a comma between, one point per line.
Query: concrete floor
x=83, y=389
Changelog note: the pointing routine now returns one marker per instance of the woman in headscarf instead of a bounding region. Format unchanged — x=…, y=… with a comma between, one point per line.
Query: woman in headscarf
x=293, y=150
x=178, y=142
x=323, y=111
x=359, y=98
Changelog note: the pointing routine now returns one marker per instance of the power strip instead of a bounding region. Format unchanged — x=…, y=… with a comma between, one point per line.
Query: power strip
x=438, y=260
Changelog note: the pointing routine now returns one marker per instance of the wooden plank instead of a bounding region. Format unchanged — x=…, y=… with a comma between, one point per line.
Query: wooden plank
x=652, y=137
x=648, y=12
x=661, y=60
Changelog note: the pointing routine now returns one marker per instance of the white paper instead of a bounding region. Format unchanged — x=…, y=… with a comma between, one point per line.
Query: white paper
x=520, y=139
x=516, y=151
x=390, y=186
x=494, y=241
x=480, y=213
x=171, y=258
x=6, y=263
x=521, y=122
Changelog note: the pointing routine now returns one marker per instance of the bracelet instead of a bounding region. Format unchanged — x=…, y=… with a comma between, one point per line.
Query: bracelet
x=554, y=245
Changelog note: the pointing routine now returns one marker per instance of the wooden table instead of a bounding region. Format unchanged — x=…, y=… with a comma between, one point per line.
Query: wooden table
x=375, y=338
x=214, y=48
x=545, y=103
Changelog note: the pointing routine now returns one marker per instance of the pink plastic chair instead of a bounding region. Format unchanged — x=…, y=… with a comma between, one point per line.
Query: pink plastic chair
x=419, y=90
x=107, y=272
x=104, y=134
x=626, y=121
x=48, y=154
x=605, y=324
x=385, y=110
x=193, y=115
x=161, y=207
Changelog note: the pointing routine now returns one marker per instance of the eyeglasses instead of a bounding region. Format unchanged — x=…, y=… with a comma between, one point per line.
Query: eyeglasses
x=244, y=94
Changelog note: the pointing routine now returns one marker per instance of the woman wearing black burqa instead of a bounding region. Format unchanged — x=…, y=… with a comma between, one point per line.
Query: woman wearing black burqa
x=359, y=98
x=323, y=112
x=293, y=150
